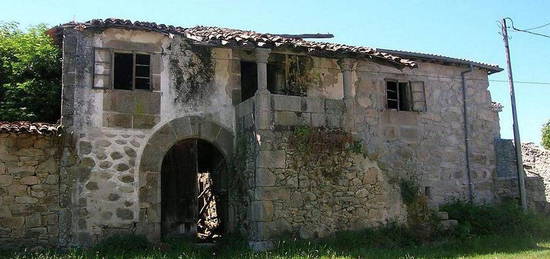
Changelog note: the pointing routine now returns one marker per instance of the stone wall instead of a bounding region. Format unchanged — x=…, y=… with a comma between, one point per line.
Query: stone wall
x=116, y=167
x=536, y=163
x=428, y=146
x=293, y=198
x=30, y=190
x=536, y=166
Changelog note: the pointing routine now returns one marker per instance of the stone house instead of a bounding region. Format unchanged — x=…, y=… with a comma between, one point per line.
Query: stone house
x=206, y=130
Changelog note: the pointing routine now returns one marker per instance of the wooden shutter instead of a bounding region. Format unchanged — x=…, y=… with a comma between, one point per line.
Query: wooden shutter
x=418, y=96
x=156, y=63
x=103, y=67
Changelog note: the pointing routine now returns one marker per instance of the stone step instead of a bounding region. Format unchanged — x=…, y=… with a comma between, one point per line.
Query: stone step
x=442, y=215
x=448, y=224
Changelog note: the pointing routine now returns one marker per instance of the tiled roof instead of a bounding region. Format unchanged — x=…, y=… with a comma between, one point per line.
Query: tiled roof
x=217, y=36
x=434, y=57
x=25, y=127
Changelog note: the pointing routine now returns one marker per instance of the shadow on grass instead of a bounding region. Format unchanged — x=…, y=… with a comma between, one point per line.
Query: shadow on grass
x=235, y=247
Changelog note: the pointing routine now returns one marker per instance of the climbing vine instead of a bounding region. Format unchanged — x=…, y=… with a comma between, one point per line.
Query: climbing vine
x=322, y=150
x=192, y=71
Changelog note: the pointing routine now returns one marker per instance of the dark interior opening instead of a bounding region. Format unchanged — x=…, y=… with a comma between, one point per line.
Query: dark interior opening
x=249, y=79
x=276, y=74
x=193, y=197
x=391, y=95
x=399, y=96
x=405, y=103
x=143, y=65
x=123, y=73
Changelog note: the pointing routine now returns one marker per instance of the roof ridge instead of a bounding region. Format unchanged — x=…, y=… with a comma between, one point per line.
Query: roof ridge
x=238, y=37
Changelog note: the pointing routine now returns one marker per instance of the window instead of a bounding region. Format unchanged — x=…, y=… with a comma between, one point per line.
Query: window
x=405, y=95
x=249, y=79
x=131, y=71
x=287, y=74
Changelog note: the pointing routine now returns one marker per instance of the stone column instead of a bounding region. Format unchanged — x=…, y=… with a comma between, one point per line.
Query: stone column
x=347, y=65
x=263, y=97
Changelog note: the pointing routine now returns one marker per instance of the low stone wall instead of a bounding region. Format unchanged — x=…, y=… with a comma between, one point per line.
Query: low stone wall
x=317, y=112
x=29, y=190
x=536, y=165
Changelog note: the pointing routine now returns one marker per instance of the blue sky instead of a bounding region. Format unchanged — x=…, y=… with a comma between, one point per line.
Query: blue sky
x=464, y=29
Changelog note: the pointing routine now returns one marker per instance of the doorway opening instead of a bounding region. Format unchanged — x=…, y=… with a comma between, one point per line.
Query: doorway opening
x=193, y=197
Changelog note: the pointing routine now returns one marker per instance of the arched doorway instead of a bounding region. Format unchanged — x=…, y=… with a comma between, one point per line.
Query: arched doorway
x=193, y=195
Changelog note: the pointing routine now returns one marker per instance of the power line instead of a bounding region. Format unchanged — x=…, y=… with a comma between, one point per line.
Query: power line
x=520, y=82
x=538, y=27
x=529, y=30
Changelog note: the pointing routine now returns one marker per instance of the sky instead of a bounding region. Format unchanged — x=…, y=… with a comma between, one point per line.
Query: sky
x=463, y=29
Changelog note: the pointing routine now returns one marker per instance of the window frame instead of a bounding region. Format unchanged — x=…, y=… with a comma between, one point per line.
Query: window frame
x=134, y=53
x=410, y=97
x=286, y=73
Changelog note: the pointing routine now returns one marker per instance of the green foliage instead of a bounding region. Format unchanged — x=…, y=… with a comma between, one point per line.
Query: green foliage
x=409, y=191
x=503, y=218
x=422, y=221
x=123, y=243
x=30, y=74
x=546, y=135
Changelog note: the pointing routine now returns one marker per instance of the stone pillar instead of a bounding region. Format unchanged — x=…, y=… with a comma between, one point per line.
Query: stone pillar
x=347, y=65
x=263, y=97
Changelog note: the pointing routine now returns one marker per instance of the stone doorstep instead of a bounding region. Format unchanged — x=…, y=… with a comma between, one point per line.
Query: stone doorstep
x=448, y=224
x=260, y=246
x=442, y=215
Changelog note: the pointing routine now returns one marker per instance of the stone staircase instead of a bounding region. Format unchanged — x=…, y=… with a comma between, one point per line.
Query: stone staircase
x=446, y=223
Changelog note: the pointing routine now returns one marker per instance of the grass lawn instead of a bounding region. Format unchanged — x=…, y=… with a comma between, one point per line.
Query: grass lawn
x=478, y=247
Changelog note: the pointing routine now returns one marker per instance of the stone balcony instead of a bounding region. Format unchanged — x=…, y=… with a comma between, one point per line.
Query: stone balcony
x=288, y=111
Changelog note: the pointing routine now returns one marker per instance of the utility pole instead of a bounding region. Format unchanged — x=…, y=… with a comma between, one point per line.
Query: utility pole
x=517, y=142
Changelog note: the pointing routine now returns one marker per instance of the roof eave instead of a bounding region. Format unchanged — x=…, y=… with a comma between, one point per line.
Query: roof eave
x=491, y=69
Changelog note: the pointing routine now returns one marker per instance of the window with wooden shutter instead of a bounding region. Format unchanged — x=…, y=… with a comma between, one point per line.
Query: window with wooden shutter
x=103, y=59
x=405, y=95
x=126, y=70
x=418, y=96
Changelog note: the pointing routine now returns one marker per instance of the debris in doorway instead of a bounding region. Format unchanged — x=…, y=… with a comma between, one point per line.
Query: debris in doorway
x=208, y=221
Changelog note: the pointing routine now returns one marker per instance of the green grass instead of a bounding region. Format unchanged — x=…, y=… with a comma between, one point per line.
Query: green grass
x=478, y=247
x=485, y=231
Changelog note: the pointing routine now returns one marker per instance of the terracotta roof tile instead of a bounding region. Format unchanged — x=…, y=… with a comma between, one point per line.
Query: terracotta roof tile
x=232, y=37
x=25, y=127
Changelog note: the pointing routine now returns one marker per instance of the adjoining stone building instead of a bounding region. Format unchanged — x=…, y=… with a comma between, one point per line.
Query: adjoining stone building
x=292, y=136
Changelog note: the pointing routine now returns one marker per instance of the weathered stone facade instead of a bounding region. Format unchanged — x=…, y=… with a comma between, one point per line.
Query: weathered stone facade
x=30, y=190
x=116, y=140
x=536, y=166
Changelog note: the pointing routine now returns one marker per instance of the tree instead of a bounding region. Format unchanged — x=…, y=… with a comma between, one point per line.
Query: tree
x=30, y=74
x=546, y=135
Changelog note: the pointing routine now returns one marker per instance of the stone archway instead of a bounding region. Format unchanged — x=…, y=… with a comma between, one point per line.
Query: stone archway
x=150, y=165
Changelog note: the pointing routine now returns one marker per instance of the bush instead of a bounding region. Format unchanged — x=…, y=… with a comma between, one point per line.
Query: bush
x=30, y=74
x=123, y=243
x=546, y=135
x=492, y=219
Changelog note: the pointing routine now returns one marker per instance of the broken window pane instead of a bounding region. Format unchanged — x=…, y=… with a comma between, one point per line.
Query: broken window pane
x=123, y=71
